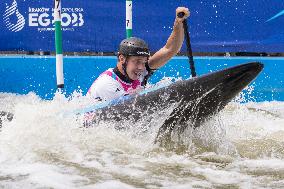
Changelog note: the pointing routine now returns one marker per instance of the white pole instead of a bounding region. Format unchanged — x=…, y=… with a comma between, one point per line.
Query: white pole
x=58, y=44
x=128, y=18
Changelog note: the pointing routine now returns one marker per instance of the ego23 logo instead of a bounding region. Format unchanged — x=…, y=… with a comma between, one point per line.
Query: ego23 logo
x=45, y=19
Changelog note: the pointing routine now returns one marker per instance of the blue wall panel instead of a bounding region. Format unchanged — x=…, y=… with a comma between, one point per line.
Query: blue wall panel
x=215, y=26
x=35, y=73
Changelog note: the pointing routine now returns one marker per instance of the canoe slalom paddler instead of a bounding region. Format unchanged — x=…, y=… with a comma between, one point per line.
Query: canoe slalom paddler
x=135, y=64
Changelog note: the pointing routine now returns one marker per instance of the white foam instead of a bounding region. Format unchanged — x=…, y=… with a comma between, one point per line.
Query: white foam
x=42, y=148
x=112, y=185
x=221, y=176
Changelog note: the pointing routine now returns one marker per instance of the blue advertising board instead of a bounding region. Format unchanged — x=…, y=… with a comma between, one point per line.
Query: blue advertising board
x=99, y=26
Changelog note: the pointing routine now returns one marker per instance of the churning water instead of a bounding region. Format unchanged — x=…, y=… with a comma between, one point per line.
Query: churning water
x=241, y=147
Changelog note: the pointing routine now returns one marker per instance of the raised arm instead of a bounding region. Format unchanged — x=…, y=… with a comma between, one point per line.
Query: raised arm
x=173, y=44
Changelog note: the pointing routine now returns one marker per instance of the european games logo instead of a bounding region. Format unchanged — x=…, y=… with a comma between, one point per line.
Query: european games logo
x=11, y=11
x=42, y=18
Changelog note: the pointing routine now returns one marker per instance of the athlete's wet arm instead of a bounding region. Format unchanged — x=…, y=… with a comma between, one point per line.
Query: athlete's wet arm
x=173, y=44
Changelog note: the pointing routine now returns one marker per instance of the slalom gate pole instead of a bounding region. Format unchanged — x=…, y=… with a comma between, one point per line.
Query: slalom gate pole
x=58, y=44
x=128, y=18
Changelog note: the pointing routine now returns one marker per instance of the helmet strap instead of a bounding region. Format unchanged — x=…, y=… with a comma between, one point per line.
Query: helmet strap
x=124, y=67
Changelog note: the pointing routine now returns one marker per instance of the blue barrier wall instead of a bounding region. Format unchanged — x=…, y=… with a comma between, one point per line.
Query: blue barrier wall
x=88, y=25
x=33, y=73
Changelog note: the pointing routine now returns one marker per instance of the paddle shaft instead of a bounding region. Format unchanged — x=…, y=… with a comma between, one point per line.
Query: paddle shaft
x=188, y=45
x=165, y=131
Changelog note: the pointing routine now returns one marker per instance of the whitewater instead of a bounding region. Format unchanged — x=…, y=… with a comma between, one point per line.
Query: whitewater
x=241, y=147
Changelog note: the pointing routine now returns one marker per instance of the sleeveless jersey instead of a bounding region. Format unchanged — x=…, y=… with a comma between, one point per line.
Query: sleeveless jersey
x=109, y=86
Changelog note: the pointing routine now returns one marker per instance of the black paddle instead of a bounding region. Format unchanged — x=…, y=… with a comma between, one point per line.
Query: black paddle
x=165, y=130
x=188, y=45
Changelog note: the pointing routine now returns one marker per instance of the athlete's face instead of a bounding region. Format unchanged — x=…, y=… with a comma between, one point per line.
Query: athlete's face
x=136, y=66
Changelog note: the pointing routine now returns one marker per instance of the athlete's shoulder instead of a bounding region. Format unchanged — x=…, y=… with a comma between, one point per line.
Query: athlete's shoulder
x=106, y=87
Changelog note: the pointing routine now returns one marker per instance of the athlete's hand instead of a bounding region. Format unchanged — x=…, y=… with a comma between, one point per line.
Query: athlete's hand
x=185, y=11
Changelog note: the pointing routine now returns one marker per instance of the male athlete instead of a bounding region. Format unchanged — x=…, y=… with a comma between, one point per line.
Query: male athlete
x=135, y=65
